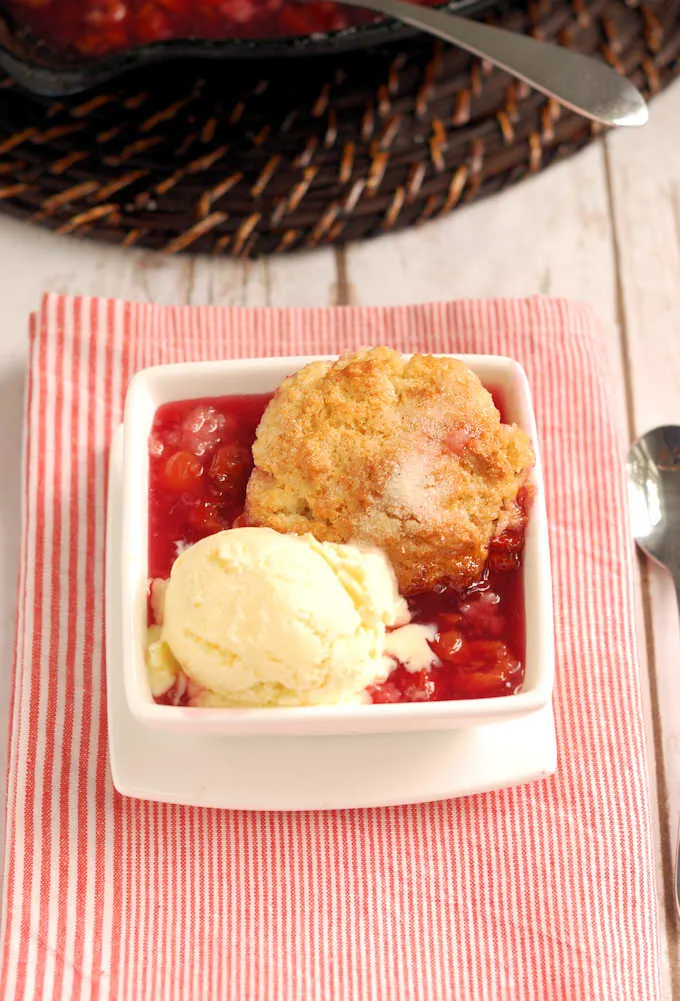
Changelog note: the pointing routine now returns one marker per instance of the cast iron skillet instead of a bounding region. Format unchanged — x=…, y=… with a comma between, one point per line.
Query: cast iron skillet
x=35, y=69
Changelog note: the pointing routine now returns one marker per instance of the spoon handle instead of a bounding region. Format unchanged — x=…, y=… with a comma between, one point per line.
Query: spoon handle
x=675, y=574
x=583, y=83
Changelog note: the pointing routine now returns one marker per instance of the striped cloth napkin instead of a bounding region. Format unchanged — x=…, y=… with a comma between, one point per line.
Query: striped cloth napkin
x=539, y=892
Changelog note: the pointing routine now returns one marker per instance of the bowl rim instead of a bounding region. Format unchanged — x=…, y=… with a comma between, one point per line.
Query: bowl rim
x=147, y=390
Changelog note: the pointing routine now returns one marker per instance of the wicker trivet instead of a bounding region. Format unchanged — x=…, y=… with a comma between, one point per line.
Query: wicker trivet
x=270, y=157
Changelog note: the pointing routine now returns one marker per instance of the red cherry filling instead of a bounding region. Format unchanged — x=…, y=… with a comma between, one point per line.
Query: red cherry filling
x=182, y=472
x=199, y=462
x=94, y=28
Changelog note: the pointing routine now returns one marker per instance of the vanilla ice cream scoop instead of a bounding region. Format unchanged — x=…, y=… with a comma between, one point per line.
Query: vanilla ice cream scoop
x=254, y=617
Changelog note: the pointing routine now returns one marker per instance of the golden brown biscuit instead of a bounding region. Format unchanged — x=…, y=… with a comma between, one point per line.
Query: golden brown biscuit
x=409, y=455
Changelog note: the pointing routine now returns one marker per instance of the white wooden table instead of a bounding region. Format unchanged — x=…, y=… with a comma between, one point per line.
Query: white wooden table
x=603, y=227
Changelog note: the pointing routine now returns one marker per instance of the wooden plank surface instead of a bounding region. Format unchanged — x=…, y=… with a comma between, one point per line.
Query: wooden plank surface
x=603, y=227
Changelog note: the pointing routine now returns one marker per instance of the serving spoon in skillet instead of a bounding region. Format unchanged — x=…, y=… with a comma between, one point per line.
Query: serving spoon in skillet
x=582, y=83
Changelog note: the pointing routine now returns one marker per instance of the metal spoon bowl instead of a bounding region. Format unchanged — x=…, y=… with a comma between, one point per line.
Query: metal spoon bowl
x=583, y=83
x=654, y=494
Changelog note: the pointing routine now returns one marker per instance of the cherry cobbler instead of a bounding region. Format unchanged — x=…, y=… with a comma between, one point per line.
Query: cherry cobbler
x=92, y=28
x=409, y=458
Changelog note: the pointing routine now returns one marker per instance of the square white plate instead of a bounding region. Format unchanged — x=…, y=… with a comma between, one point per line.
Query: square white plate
x=310, y=773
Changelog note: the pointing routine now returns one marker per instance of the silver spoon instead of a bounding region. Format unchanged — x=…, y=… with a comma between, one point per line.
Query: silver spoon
x=654, y=493
x=585, y=84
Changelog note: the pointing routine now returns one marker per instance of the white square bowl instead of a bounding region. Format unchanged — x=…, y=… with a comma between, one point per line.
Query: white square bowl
x=127, y=571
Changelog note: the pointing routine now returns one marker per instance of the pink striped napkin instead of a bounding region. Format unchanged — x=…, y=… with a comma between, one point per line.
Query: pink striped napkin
x=540, y=892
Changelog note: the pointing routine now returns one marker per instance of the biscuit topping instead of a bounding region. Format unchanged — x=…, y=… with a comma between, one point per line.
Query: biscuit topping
x=407, y=454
